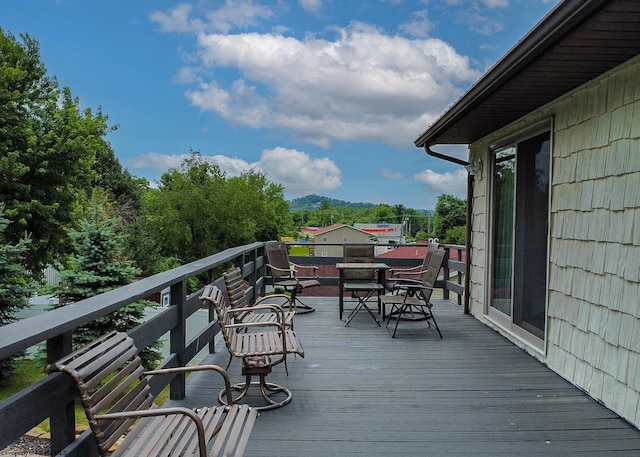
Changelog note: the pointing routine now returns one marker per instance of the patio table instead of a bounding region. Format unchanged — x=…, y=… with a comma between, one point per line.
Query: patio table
x=381, y=268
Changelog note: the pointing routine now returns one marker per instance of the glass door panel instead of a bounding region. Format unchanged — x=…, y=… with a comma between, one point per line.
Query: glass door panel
x=532, y=212
x=503, y=226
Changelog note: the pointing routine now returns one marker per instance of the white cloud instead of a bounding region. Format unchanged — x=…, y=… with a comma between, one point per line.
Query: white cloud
x=390, y=174
x=311, y=6
x=177, y=20
x=454, y=183
x=233, y=14
x=155, y=161
x=419, y=26
x=298, y=172
x=362, y=85
x=495, y=3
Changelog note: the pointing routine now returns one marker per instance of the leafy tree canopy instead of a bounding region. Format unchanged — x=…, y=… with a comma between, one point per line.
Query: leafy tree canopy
x=199, y=210
x=48, y=146
x=450, y=212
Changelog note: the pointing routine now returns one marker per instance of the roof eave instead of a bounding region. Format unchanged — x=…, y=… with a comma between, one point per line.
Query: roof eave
x=548, y=32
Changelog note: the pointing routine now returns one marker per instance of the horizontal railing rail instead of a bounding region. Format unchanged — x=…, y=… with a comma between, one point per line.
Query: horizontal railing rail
x=53, y=397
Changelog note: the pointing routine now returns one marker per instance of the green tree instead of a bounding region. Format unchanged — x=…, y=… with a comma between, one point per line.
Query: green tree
x=14, y=286
x=450, y=212
x=98, y=266
x=47, y=151
x=198, y=210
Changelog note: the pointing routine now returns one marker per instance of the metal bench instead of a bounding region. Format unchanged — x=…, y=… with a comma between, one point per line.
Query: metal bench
x=259, y=345
x=115, y=393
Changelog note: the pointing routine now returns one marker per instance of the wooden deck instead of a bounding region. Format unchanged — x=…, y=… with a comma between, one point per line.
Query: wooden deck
x=360, y=393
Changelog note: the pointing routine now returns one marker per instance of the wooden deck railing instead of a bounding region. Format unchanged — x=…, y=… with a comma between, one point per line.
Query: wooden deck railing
x=53, y=396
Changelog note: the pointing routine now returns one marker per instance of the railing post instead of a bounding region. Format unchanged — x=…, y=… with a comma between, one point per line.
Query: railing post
x=446, y=275
x=63, y=420
x=178, y=338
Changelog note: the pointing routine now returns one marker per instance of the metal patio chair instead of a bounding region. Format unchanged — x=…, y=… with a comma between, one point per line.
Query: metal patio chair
x=411, y=298
x=286, y=275
x=259, y=345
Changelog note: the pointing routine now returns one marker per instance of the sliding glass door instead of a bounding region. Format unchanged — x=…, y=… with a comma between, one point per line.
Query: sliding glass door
x=520, y=232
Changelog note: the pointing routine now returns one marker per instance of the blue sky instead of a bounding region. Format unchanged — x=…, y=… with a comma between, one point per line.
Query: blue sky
x=322, y=96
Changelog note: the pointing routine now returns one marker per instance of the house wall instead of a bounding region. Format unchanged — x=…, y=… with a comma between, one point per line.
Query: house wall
x=338, y=236
x=593, y=310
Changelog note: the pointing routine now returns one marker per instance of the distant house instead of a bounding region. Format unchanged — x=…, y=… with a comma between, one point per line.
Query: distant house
x=554, y=158
x=385, y=233
x=337, y=234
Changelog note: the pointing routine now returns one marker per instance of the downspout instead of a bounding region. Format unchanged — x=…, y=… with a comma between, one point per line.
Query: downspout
x=470, y=181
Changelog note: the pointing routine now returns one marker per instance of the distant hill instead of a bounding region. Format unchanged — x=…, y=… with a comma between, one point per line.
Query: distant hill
x=313, y=201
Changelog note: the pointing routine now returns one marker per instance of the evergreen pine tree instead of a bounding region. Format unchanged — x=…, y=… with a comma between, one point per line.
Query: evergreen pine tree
x=14, y=286
x=98, y=266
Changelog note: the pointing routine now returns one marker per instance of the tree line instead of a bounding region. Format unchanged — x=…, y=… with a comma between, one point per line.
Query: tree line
x=67, y=201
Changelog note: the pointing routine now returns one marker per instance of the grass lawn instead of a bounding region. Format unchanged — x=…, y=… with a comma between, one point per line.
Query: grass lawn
x=301, y=251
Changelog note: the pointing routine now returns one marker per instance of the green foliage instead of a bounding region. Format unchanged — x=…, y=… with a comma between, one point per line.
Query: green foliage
x=198, y=210
x=47, y=151
x=98, y=267
x=451, y=212
x=456, y=235
x=14, y=286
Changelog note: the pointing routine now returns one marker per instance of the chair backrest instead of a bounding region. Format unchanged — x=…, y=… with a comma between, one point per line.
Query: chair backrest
x=214, y=296
x=430, y=273
x=278, y=256
x=109, y=376
x=234, y=283
x=359, y=253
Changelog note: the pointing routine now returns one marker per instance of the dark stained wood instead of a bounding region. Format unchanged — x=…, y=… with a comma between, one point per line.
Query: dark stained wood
x=358, y=392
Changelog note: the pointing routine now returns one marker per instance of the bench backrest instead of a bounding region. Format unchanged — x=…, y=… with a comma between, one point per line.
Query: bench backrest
x=234, y=283
x=109, y=376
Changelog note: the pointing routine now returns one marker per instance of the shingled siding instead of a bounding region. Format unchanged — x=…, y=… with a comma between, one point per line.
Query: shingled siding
x=593, y=313
x=594, y=296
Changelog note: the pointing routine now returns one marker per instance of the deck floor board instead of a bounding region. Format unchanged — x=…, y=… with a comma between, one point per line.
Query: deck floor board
x=358, y=392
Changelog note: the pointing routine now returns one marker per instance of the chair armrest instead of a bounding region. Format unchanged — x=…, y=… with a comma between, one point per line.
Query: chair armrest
x=291, y=271
x=297, y=267
x=410, y=284
x=276, y=309
x=268, y=297
x=244, y=325
x=409, y=270
x=202, y=444
x=178, y=370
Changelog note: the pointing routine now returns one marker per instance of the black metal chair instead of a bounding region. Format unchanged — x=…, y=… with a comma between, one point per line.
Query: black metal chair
x=285, y=275
x=411, y=298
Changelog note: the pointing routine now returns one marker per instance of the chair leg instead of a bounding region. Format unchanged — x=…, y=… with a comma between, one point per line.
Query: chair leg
x=267, y=389
x=298, y=305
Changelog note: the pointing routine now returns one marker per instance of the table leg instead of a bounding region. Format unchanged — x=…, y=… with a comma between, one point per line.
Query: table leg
x=341, y=293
